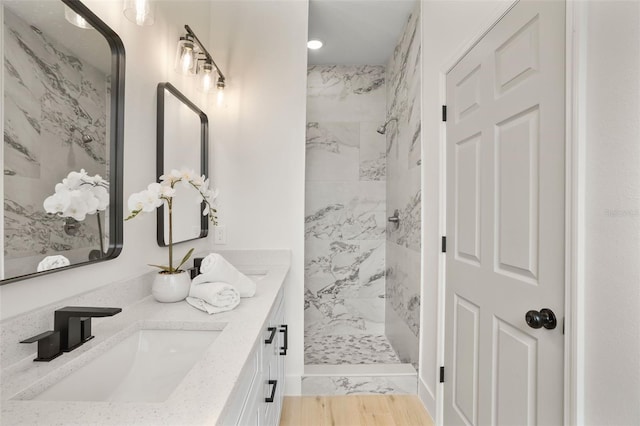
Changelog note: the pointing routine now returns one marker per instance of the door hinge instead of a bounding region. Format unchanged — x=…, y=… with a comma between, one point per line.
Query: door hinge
x=444, y=113
x=444, y=245
x=442, y=374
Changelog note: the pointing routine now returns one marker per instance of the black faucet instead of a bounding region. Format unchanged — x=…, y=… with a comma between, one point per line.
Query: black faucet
x=74, y=324
x=71, y=328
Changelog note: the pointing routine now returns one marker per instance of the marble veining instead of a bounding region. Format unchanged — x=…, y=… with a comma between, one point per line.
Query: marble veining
x=348, y=349
x=354, y=385
x=407, y=233
x=339, y=82
x=48, y=94
x=404, y=193
x=345, y=201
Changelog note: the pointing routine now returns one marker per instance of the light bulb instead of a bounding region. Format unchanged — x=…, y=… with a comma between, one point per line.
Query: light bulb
x=185, y=60
x=140, y=12
x=73, y=18
x=207, y=72
x=220, y=96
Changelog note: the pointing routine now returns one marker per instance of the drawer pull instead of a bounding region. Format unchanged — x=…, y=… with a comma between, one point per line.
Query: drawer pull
x=284, y=329
x=273, y=334
x=273, y=391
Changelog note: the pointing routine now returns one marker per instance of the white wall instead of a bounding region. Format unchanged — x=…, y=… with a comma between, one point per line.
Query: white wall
x=258, y=139
x=149, y=60
x=612, y=213
x=447, y=26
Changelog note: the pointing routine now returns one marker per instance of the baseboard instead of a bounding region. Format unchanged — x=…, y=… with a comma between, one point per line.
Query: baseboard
x=293, y=385
x=427, y=399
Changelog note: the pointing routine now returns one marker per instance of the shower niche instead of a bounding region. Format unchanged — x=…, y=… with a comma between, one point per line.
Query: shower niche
x=362, y=206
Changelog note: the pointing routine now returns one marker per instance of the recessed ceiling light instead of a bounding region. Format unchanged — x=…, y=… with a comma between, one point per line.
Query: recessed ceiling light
x=314, y=44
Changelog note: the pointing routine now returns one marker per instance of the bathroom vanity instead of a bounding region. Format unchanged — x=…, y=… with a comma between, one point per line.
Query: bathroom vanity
x=225, y=369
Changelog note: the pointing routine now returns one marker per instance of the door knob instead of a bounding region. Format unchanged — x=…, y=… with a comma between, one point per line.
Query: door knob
x=545, y=318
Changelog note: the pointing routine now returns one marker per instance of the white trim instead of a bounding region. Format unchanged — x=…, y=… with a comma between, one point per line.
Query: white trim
x=575, y=212
x=486, y=26
x=292, y=385
x=574, y=204
x=424, y=395
x=2, y=133
x=427, y=401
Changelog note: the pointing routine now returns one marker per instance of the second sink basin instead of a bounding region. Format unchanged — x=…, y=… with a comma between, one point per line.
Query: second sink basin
x=145, y=367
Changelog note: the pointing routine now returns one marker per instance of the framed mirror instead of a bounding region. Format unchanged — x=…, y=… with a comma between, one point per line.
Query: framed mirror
x=62, y=121
x=182, y=144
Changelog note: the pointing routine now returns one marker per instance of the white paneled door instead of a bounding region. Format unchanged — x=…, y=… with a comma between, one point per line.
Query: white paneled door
x=505, y=223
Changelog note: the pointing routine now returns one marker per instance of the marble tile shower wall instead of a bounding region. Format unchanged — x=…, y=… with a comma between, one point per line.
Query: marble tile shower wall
x=403, y=190
x=345, y=203
x=47, y=91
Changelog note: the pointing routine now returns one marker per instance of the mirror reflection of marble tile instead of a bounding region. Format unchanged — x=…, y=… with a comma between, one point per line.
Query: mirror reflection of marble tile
x=54, y=100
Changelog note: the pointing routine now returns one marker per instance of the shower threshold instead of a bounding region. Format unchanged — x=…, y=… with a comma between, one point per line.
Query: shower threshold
x=358, y=370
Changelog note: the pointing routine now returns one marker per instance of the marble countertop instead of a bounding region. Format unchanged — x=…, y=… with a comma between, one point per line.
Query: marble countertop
x=202, y=396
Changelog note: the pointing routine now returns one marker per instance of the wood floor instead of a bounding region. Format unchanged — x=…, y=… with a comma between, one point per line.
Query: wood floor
x=356, y=410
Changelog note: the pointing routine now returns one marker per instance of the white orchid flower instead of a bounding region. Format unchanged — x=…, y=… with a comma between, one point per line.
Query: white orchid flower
x=102, y=195
x=135, y=201
x=77, y=207
x=154, y=188
x=150, y=200
x=167, y=192
x=57, y=202
x=198, y=180
x=157, y=194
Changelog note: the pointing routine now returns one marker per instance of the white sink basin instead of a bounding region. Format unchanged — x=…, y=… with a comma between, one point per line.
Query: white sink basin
x=145, y=367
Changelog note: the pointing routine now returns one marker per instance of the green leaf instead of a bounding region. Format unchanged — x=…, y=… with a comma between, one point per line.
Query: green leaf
x=164, y=268
x=133, y=214
x=184, y=259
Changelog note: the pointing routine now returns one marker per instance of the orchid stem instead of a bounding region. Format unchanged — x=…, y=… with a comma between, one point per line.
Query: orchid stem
x=170, y=203
x=100, y=234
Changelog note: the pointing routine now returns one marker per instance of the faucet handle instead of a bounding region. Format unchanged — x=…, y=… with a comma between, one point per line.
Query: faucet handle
x=48, y=345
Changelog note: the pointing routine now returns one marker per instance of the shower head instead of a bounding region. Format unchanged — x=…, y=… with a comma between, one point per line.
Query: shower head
x=383, y=129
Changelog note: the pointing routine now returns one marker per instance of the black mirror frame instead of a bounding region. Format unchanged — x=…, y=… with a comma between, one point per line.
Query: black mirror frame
x=116, y=143
x=204, y=155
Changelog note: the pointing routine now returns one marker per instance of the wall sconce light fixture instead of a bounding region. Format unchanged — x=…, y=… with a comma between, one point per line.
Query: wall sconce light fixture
x=193, y=58
x=140, y=12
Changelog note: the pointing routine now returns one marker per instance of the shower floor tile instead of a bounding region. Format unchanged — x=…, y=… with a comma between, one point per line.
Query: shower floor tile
x=349, y=349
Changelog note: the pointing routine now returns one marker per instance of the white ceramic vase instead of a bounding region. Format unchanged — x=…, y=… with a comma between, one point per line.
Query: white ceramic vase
x=168, y=288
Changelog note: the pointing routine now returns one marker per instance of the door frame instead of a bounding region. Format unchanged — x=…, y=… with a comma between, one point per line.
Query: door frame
x=575, y=59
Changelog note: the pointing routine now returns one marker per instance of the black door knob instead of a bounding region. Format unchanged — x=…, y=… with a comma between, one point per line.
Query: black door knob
x=545, y=318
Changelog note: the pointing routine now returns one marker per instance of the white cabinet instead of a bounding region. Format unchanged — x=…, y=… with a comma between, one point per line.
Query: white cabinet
x=258, y=398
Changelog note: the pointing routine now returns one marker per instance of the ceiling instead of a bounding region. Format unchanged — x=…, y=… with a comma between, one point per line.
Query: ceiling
x=356, y=32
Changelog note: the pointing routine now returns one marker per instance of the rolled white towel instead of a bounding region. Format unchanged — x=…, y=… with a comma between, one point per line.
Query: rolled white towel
x=215, y=268
x=213, y=297
x=52, y=262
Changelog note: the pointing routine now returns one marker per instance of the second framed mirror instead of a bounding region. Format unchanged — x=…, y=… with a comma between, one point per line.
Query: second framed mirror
x=182, y=144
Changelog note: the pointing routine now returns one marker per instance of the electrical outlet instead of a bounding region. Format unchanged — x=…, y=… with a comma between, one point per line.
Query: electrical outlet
x=220, y=234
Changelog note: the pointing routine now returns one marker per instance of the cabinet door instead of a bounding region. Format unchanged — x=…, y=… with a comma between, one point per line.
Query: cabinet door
x=252, y=414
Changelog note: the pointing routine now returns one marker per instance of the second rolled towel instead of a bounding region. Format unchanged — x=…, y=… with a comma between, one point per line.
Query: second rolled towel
x=215, y=268
x=213, y=297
